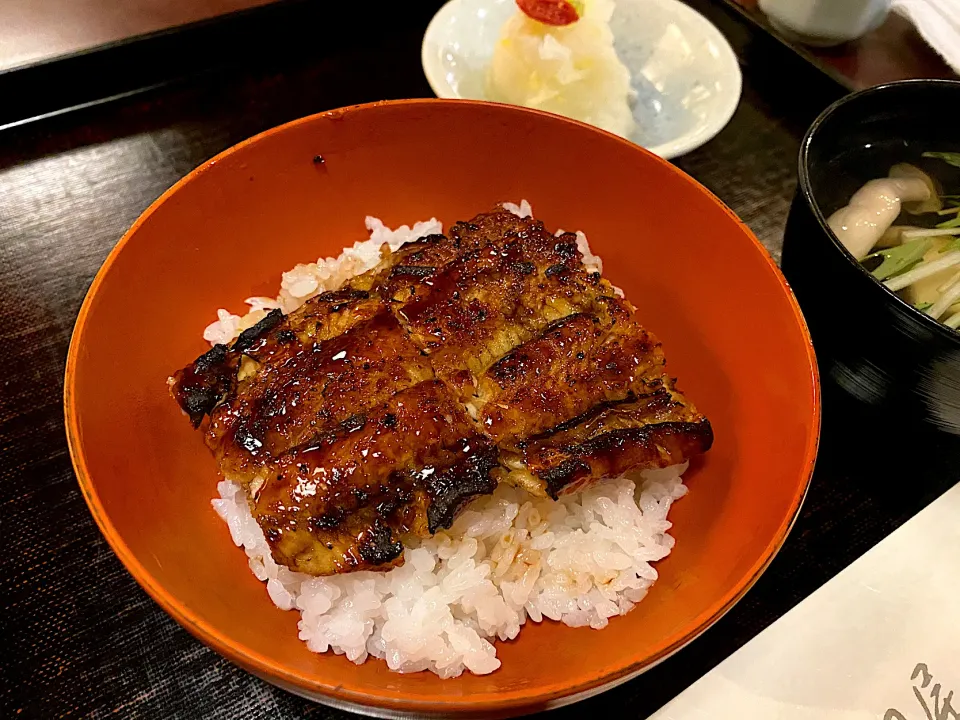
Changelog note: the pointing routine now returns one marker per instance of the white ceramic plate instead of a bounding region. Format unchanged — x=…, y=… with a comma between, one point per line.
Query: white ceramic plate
x=685, y=73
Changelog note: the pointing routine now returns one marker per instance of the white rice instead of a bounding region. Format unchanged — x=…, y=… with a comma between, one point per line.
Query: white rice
x=522, y=210
x=509, y=557
x=304, y=281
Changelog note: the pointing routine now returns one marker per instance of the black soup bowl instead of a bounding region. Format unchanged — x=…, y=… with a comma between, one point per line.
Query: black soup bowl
x=897, y=362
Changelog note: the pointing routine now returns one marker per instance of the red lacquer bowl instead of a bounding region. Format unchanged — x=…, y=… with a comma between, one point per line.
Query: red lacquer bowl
x=731, y=330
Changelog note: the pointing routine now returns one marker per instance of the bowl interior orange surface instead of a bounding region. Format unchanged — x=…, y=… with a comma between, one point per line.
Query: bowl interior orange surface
x=731, y=331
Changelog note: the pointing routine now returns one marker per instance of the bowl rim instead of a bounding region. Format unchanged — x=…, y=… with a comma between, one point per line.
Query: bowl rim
x=806, y=188
x=675, y=147
x=379, y=699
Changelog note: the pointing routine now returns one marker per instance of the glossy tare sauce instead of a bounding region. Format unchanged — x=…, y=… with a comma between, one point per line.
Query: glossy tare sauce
x=381, y=409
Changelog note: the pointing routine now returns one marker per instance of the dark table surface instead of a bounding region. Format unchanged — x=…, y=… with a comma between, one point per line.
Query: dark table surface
x=893, y=51
x=82, y=638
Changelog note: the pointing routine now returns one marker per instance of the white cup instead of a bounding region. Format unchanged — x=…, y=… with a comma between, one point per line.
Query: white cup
x=825, y=22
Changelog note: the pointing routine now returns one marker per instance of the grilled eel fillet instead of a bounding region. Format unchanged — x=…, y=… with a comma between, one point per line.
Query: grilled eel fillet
x=489, y=355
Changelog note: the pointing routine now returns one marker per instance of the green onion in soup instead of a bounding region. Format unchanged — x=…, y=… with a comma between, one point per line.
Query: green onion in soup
x=919, y=261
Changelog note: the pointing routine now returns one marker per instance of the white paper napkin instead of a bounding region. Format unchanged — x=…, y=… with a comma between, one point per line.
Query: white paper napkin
x=938, y=21
x=880, y=641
